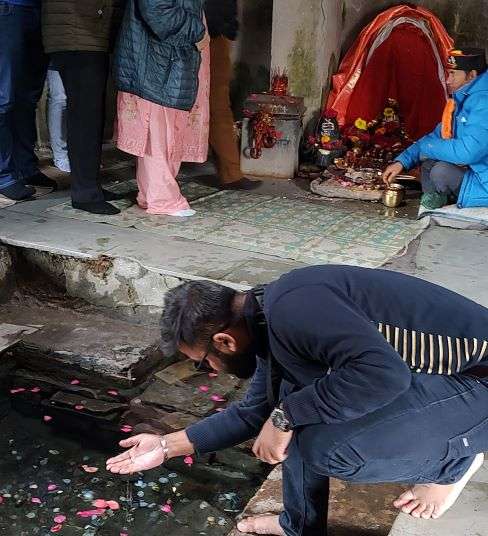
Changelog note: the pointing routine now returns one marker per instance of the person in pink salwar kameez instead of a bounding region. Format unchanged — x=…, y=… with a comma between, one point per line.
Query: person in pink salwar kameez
x=162, y=138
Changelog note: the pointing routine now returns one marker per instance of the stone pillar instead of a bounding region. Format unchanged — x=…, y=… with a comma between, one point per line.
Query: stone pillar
x=306, y=41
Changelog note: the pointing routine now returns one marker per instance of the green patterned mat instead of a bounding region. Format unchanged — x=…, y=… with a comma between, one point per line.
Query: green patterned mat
x=286, y=228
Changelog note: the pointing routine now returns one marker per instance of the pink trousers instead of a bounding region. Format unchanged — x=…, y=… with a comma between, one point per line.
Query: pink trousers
x=159, y=192
x=162, y=138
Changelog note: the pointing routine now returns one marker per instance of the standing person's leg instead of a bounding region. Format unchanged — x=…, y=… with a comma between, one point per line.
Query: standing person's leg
x=11, y=49
x=159, y=193
x=222, y=136
x=28, y=92
x=56, y=115
x=84, y=76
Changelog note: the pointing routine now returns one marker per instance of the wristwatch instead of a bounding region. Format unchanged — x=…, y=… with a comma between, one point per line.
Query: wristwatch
x=280, y=420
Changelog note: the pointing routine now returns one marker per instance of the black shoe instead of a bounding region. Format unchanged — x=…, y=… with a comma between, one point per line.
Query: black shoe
x=242, y=184
x=112, y=196
x=96, y=207
x=18, y=191
x=39, y=179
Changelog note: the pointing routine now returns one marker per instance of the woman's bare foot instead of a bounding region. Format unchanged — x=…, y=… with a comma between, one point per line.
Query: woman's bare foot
x=261, y=525
x=431, y=501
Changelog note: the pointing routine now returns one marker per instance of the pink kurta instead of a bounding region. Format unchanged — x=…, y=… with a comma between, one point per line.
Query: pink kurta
x=162, y=138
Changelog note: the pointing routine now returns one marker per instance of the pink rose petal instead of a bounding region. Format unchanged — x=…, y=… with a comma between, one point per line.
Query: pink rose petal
x=90, y=513
x=60, y=519
x=189, y=461
x=113, y=392
x=56, y=528
x=17, y=390
x=123, y=534
x=36, y=500
x=47, y=418
x=100, y=503
x=217, y=398
x=75, y=382
x=79, y=407
x=126, y=428
x=52, y=487
x=166, y=508
x=204, y=388
x=113, y=505
x=35, y=390
x=212, y=375
x=89, y=469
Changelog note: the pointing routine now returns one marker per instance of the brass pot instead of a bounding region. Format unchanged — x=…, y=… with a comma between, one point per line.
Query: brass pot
x=393, y=196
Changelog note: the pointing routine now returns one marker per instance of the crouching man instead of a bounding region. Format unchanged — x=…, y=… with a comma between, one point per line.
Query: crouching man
x=455, y=155
x=363, y=375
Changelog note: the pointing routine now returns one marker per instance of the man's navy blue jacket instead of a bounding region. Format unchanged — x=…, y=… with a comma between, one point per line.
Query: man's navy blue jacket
x=346, y=341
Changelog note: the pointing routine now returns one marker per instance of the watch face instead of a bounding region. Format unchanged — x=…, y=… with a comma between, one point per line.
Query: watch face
x=279, y=420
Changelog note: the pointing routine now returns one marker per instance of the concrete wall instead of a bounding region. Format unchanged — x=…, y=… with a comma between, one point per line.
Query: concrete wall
x=251, y=52
x=465, y=20
x=306, y=41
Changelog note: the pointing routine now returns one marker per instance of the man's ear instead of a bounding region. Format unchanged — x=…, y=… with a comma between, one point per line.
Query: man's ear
x=472, y=75
x=224, y=343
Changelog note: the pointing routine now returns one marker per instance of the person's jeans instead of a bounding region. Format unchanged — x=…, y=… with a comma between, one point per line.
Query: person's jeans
x=442, y=177
x=22, y=74
x=429, y=434
x=84, y=75
x=56, y=118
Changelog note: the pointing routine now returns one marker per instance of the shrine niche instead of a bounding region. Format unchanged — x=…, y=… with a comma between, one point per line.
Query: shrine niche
x=399, y=55
x=389, y=91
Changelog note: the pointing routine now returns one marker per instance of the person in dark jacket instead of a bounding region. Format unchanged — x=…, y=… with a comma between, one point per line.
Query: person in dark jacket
x=162, y=72
x=223, y=27
x=78, y=36
x=362, y=375
x=22, y=72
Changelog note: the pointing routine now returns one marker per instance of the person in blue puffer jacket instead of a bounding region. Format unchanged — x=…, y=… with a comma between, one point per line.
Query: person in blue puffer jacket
x=454, y=156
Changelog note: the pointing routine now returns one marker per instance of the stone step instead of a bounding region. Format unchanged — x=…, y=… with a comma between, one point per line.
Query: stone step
x=354, y=509
x=98, y=351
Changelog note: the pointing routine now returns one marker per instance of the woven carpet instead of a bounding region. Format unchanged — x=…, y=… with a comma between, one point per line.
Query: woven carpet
x=294, y=229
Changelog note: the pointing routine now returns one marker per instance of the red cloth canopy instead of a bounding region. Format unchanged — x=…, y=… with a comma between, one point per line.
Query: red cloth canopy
x=400, y=55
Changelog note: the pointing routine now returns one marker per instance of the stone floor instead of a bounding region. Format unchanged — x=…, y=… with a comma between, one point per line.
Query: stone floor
x=123, y=263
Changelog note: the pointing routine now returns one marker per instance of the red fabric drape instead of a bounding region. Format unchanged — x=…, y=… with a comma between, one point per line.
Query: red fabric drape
x=404, y=68
x=352, y=66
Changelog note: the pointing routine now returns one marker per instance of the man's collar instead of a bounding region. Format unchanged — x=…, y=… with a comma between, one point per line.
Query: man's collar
x=256, y=324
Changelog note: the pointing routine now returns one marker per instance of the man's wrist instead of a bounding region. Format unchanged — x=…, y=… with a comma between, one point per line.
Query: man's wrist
x=177, y=444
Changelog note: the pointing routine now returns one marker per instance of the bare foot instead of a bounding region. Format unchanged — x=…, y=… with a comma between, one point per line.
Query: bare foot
x=261, y=525
x=431, y=501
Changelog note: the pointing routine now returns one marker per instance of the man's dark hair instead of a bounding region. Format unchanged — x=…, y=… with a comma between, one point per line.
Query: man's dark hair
x=194, y=312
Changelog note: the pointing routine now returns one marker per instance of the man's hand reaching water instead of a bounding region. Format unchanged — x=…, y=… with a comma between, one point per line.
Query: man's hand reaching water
x=147, y=451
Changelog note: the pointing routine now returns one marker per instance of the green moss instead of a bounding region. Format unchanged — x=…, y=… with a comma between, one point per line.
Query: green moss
x=302, y=64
